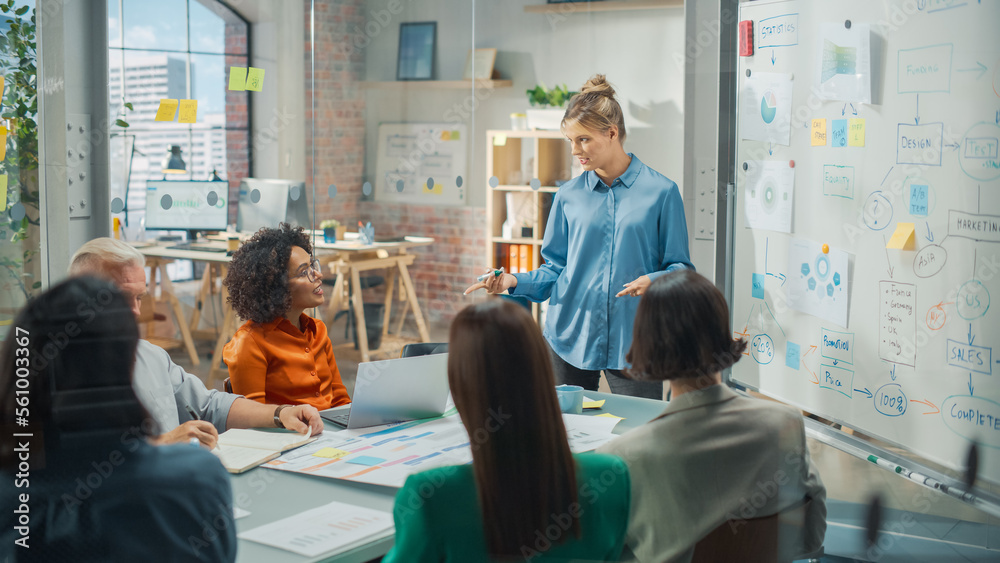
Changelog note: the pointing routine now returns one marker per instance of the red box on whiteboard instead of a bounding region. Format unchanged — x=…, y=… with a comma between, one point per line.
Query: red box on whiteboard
x=746, y=38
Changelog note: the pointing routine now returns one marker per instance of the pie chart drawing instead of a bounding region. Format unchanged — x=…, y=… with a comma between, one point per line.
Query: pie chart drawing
x=768, y=106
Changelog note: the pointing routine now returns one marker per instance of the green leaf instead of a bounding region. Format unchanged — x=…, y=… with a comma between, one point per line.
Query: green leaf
x=129, y=106
x=23, y=10
x=121, y=123
x=4, y=8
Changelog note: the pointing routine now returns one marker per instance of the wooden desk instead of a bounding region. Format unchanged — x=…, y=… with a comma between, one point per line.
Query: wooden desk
x=348, y=258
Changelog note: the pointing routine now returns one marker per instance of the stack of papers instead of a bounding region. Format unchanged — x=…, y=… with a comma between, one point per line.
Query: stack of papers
x=335, y=526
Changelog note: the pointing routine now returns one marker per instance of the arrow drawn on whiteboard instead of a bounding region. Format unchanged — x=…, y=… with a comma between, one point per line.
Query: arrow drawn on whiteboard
x=972, y=337
x=930, y=235
x=884, y=246
x=917, y=118
x=866, y=392
x=892, y=373
x=929, y=404
x=970, y=384
x=772, y=57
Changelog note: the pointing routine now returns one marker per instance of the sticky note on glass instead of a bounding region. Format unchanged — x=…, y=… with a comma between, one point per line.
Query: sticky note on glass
x=255, y=79
x=365, y=460
x=3, y=192
x=445, y=135
x=609, y=415
x=1, y=86
x=3, y=143
x=455, y=135
x=237, y=78
x=903, y=238
x=166, y=111
x=499, y=140
x=918, y=199
x=856, y=132
x=818, y=133
x=593, y=404
x=793, y=355
x=188, y=111
x=838, y=133
x=438, y=189
x=331, y=453
x=758, y=286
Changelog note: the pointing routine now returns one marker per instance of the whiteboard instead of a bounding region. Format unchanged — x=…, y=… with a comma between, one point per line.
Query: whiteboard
x=897, y=343
x=422, y=163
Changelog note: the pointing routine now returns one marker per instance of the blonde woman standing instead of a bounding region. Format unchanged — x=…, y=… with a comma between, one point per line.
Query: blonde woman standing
x=612, y=230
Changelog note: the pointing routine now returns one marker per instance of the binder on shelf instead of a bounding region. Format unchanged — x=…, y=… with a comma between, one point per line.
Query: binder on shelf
x=514, y=259
x=524, y=258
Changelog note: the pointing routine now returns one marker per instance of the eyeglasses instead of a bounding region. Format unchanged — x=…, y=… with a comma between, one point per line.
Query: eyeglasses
x=314, y=272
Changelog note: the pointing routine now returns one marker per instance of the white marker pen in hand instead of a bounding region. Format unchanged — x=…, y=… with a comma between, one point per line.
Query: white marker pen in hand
x=496, y=274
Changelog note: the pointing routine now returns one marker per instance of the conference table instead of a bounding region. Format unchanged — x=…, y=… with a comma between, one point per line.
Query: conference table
x=271, y=495
x=345, y=260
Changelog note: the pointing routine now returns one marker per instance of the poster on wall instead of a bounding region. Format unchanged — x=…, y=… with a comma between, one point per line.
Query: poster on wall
x=766, y=108
x=844, y=63
x=423, y=163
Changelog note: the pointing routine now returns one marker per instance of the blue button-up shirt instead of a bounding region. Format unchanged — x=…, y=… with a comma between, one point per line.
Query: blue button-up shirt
x=597, y=239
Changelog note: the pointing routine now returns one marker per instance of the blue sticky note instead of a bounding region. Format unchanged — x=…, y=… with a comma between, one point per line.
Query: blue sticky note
x=758, y=286
x=365, y=460
x=792, y=355
x=918, y=200
x=838, y=135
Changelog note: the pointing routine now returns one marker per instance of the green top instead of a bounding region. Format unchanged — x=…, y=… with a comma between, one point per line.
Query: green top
x=438, y=517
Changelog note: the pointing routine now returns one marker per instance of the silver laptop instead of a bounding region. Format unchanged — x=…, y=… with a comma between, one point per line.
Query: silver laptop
x=399, y=390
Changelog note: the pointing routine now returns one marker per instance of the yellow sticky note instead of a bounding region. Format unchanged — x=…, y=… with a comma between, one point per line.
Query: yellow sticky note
x=3, y=192
x=166, y=111
x=437, y=189
x=609, y=415
x=499, y=140
x=818, y=132
x=1, y=86
x=455, y=135
x=189, y=111
x=3, y=142
x=445, y=135
x=593, y=404
x=331, y=453
x=903, y=238
x=255, y=79
x=856, y=132
x=237, y=78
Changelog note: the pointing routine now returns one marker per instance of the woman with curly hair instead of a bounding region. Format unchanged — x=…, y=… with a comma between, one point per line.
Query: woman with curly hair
x=280, y=355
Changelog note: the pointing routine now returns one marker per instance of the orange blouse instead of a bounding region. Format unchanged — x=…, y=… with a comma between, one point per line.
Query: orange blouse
x=276, y=363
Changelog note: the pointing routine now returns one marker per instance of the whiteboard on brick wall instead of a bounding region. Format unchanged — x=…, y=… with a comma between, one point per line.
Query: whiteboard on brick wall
x=422, y=163
x=867, y=219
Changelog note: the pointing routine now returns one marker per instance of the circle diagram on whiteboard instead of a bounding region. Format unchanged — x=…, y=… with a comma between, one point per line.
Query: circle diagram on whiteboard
x=768, y=106
x=768, y=196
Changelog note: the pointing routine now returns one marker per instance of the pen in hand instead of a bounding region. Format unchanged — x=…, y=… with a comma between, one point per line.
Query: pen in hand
x=496, y=274
x=194, y=416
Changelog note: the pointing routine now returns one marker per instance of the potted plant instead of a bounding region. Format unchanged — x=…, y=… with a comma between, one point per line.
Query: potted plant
x=332, y=230
x=551, y=102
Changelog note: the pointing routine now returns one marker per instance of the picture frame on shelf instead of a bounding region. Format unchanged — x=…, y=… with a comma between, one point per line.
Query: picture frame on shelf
x=416, y=51
x=479, y=64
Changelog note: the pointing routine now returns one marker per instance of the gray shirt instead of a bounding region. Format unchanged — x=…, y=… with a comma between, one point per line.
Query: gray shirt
x=165, y=388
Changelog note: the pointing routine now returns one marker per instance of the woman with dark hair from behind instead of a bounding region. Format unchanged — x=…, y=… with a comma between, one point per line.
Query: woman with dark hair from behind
x=79, y=481
x=696, y=465
x=280, y=355
x=525, y=495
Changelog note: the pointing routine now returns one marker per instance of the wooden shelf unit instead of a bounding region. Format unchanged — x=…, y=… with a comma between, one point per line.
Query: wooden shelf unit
x=610, y=6
x=523, y=156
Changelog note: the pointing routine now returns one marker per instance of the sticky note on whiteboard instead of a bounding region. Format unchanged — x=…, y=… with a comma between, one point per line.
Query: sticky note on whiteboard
x=793, y=355
x=838, y=136
x=918, y=199
x=903, y=238
x=758, y=286
x=856, y=132
x=818, y=135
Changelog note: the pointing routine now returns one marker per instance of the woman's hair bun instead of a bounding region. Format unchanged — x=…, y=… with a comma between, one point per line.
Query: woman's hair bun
x=598, y=84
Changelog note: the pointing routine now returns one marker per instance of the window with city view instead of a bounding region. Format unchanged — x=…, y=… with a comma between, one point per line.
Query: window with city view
x=176, y=49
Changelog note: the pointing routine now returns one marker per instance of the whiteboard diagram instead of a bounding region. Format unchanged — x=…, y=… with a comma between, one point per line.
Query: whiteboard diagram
x=422, y=163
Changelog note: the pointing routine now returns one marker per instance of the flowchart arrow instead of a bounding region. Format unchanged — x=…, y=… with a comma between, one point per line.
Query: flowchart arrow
x=980, y=68
x=892, y=373
x=888, y=264
x=971, y=389
x=854, y=110
x=917, y=118
x=865, y=391
x=843, y=110
x=779, y=276
x=770, y=148
x=929, y=404
x=772, y=57
x=953, y=146
x=972, y=337
x=930, y=235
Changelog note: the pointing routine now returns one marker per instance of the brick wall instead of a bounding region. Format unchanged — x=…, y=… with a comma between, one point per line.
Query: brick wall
x=237, y=116
x=443, y=270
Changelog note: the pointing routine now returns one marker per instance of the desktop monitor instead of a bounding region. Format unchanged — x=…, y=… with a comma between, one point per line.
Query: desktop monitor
x=265, y=203
x=190, y=206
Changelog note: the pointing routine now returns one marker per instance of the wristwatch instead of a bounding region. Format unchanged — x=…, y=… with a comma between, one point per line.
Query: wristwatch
x=277, y=415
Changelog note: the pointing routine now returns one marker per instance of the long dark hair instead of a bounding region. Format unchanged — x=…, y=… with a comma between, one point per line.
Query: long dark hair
x=68, y=362
x=682, y=330
x=500, y=374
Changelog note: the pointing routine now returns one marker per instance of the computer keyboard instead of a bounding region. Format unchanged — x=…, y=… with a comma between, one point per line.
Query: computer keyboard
x=338, y=419
x=197, y=247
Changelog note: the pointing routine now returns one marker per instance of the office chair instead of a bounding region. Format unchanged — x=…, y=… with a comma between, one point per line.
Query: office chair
x=750, y=540
x=423, y=349
x=227, y=385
